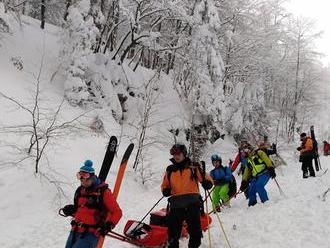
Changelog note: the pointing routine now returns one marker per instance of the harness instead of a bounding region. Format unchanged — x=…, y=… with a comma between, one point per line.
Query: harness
x=94, y=201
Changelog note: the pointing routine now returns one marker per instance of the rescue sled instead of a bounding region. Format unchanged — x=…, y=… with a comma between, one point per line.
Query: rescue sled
x=153, y=234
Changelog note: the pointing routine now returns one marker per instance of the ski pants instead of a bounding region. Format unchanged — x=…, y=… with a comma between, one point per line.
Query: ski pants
x=220, y=192
x=257, y=185
x=191, y=215
x=82, y=240
x=307, y=165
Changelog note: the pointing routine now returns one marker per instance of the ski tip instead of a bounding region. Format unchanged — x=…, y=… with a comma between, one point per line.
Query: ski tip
x=128, y=151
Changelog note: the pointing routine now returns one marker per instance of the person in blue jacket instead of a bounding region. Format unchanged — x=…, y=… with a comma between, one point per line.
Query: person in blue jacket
x=222, y=177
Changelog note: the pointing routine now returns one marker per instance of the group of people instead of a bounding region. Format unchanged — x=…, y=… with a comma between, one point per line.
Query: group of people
x=181, y=180
x=93, y=200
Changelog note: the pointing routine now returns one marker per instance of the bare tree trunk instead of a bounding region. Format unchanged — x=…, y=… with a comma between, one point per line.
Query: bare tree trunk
x=68, y=4
x=295, y=102
x=43, y=10
x=24, y=8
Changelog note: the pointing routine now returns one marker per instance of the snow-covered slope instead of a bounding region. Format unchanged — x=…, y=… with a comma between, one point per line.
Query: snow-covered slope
x=29, y=203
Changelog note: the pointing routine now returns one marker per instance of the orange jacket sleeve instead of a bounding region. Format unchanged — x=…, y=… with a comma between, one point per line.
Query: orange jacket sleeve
x=114, y=211
x=165, y=184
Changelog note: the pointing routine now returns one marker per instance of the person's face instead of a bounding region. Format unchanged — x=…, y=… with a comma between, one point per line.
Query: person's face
x=85, y=179
x=178, y=157
x=216, y=163
x=86, y=182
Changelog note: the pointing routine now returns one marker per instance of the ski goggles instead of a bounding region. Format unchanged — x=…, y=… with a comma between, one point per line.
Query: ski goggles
x=83, y=175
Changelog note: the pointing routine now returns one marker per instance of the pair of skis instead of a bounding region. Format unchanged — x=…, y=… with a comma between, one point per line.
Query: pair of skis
x=106, y=165
x=315, y=150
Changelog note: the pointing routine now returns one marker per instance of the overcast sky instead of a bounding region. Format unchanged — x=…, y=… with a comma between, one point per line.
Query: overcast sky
x=320, y=11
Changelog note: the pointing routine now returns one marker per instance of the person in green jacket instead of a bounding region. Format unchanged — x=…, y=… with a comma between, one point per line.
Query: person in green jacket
x=256, y=175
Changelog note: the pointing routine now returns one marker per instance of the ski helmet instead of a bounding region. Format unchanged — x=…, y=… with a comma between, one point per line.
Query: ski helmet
x=216, y=157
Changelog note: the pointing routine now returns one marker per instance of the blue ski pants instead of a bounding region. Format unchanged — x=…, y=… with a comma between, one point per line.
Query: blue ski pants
x=83, y=240
x=257, y=185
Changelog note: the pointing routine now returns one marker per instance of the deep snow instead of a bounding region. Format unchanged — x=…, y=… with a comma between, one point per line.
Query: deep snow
x=29, y=204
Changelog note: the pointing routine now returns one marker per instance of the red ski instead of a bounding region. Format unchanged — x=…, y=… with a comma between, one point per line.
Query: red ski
x=118, y=182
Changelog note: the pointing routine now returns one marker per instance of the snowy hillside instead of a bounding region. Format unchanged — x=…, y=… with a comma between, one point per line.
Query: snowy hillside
x=29, y=204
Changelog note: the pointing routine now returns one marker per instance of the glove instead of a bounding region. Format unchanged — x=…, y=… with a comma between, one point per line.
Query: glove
x=274, y=148
x=272, y=172
x=244, y=186
x=105, y=228
x=166, y=192
x=69, y=210
x=206, y=184
x=299, y=149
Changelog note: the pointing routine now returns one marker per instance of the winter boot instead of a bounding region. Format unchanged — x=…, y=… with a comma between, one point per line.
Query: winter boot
x=227, y=204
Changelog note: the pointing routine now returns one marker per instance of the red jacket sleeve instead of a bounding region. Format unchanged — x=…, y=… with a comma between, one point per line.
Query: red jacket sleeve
x=236, y=163
x=114, y=212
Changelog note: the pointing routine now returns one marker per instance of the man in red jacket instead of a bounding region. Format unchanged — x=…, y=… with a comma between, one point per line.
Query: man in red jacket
x=93, y=201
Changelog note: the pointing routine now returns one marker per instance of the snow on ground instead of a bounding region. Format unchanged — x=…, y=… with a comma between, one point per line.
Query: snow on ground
x=29, y=204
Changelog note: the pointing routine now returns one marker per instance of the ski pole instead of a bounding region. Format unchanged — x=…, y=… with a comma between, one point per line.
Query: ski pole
x=208, y=194
x=233, y=196
x=206, y=205
x=222, y=227
x=208, y=223
x=279, y=187
x=141, y=221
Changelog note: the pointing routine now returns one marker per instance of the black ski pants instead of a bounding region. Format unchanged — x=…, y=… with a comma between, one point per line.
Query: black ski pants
x=191, y=215
x=307, y=165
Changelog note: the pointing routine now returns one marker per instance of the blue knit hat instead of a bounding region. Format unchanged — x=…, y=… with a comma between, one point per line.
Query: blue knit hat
x=88, y=167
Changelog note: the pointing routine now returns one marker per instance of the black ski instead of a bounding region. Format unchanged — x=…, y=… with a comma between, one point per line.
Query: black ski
x=315, y=150
x=108, y=158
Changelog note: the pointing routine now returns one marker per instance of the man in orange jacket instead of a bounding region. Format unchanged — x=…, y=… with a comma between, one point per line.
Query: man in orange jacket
x=306, y=155
x=181, y=185
x=93, y=201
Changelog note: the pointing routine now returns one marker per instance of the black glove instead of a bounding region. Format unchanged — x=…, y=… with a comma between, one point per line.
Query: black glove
x=244, y=186
x=274, y=148
x=166, y=192
x=206, y=184
x=299, y=149
x=69, y=210
x=272, y=172
x=105, y=228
